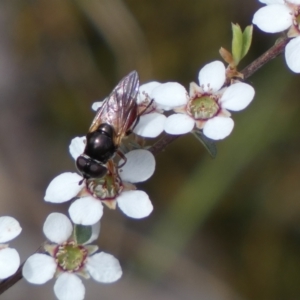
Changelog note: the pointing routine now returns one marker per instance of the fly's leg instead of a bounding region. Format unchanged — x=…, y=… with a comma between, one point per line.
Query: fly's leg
x=138, y=118
x=121, y=154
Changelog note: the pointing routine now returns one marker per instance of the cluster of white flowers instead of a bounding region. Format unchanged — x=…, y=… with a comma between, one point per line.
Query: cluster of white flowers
x=114, y=189
x=207, y=104
x=67, y=259
x=280, y=15
x=205, y=108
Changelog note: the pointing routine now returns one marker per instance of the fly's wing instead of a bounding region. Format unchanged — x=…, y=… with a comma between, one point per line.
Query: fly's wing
x=119, y=109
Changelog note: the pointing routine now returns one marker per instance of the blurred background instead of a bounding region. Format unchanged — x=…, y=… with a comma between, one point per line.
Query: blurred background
x=227, y=228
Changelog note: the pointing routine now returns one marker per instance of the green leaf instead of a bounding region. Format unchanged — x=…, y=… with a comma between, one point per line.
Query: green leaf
x=237, y=43
x=247, y=39
x=209, y=144
x=82, y=233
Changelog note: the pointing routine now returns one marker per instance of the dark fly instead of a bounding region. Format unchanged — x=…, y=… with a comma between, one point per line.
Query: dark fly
x=114, y=119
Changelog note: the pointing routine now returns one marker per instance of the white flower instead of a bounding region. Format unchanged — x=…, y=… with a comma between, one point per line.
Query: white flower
x=280, y=15
x=115, y=188
x=151, y=120
x=207, y=105
x=9, y=257
x=67, y=260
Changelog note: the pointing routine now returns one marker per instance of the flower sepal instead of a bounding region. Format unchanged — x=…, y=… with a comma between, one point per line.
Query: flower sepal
x=84, y=274
x=293, y=32
x=50, y=249
x=128, y=186
x=91, y=249
x=3, y=246
x=111, y=204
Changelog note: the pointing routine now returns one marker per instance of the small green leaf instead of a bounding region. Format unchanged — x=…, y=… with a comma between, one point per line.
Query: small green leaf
x=237, y=43
x=247, y=39
x=209, y=144
x=82, y=233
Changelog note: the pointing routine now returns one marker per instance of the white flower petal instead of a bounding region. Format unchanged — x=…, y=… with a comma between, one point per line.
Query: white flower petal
x=150, y=125
x=63, y=187
x=297, y=2
x=135, y=204
x=39, y=268
x=104, y=267
x=9, y=262
x=160, y=107
x=140, y=166
x=77, y=146
x=57, y=228
x=170, y=94
x=272, y=1
x=146, y=90
x=273, y=18
x=212, y=76
x=69, y=287
x=86, y=211
x=95, y=233
x=97, y=105
x=179, y=124
x=292, y=54
x=9, y=228
x=218, y=128
x=237, y=96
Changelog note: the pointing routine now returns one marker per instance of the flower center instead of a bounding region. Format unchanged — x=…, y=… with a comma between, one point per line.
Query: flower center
x=204, y=107
x=107, y=187
x=296, y=18
x=70, y=257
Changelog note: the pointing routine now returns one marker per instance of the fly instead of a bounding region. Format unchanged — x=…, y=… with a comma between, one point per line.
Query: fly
x=113, y=121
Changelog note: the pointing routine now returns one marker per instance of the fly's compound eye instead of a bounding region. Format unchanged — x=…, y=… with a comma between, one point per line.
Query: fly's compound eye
x=96, y=170
x=90, y=168
x=82, y=163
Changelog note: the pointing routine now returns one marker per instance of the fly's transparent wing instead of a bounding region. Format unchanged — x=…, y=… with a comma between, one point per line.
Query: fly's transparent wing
x=119, y=108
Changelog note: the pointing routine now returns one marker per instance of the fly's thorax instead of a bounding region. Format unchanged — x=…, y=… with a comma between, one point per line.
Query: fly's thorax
x=100, y=144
